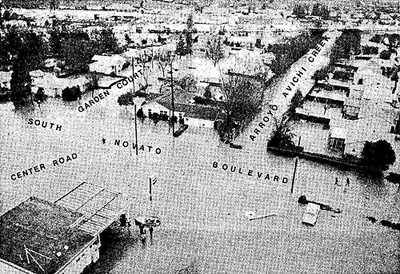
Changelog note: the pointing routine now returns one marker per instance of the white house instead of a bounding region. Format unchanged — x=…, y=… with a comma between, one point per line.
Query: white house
x=107, y=64
x=54, y=85
x=192, y=114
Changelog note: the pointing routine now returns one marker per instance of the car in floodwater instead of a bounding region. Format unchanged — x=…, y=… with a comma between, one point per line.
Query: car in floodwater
x=311, y=214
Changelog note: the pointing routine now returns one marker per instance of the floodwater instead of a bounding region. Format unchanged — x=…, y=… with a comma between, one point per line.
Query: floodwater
x=201, y=207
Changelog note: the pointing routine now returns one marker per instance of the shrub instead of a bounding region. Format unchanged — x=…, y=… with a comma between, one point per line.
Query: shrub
x=125, y=99
x=385, y=55
x=71, y=94
x=377, y=156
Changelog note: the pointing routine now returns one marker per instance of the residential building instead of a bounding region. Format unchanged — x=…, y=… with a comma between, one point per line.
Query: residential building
x=107, y=64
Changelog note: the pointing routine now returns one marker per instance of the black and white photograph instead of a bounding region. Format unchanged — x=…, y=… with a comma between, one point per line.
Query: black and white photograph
x=199, y=137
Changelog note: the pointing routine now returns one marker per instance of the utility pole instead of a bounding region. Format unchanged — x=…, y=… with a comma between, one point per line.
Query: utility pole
x=172, y=99
x=294, y=174
x=136, y=138
x=133, y=77
x=151, y=199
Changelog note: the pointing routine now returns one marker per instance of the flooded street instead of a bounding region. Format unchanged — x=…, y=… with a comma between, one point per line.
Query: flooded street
x=202, y=192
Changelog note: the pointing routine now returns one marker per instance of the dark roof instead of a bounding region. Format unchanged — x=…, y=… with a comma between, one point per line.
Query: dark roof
x=40, y=229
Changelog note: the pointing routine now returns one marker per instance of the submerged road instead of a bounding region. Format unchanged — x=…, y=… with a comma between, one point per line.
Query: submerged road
x=202, y=193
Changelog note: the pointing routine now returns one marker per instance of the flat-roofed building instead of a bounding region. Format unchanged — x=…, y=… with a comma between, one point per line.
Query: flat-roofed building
x=61, y=237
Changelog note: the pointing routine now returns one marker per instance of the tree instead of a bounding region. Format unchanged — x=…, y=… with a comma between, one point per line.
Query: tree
x=243, y=99
x=106, y=41
x=21, y=93
x=316, y=9
x=6, y=15
x=347, y=44
x=36, y=50
x=127, y=38
x=187, y=83
x=258, y=43
x=55, y=41
x=282, y=135
x=299, y=11
x=385, y=55
x=180, y=46
x=297, y=101
x=291, y=50
x=126, y=99
x=163, y=59
x=321, y=74
x=77, y=53
x=13, y=42
x=377, y=156
x=207, y=92
x=214, y=50
x=188, y=32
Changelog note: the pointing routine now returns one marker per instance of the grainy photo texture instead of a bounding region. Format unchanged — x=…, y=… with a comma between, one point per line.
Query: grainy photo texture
x=199, y=137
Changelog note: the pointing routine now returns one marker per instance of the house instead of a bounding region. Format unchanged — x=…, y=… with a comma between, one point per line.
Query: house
x=185, y=109
x=53, y=85
x=107, y=64
x=202, y=117
x=61, y=237
x=337, y=138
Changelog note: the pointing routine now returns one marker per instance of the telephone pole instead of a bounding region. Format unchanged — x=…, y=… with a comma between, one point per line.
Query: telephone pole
x=294, y=173
x=172, y=99
x=136, y=138
x=133, y=76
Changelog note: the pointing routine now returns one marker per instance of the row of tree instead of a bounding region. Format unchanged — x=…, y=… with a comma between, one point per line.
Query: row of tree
x=347, y=44
x=76, y=47
x=26, y=51
x=291, y=50
x=302, y=10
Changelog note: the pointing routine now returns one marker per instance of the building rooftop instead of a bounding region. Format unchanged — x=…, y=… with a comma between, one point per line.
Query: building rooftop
x=39, y=236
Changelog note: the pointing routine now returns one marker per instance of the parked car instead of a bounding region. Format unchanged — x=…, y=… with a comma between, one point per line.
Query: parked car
x=311, y=214
x=181, y=129
x=232, y=145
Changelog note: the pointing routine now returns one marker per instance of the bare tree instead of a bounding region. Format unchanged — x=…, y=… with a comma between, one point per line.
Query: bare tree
x=214, y=50
x=164, y=59
x=243, y=100
x=143, y=58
